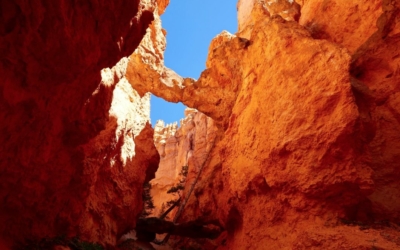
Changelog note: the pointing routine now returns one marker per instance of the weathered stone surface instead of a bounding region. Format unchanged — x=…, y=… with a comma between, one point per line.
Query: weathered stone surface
x=252, y=11
x=348, y=23
x=122, y=157
x=146, y=71
x=162, y=5
x=72, y=160
x=369, y=168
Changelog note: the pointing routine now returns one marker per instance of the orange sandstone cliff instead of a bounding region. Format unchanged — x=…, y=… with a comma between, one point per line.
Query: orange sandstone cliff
x=299, y=150
x=305, y=97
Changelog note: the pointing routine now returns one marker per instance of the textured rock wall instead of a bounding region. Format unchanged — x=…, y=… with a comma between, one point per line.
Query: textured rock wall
x=74, y=142
x=308, y=123
x=187, y=145
x=353, y=23
x=251, y=11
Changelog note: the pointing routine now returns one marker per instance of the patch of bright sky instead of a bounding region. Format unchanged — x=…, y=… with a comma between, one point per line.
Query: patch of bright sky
x=190, y=26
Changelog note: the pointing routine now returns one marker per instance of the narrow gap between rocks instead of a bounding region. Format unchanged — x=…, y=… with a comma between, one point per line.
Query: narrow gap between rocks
x=190, y=27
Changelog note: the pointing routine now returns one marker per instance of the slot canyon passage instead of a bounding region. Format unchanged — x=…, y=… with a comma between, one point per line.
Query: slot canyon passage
x=291, y=139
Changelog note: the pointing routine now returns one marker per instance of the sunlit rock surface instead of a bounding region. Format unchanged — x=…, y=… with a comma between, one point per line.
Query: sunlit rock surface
x=306, y=107
x=347, y=23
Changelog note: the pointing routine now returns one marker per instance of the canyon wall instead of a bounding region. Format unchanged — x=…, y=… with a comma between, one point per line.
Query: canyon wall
x=296, y=134
x=307, y=116
x=75, y=141
x=188, y=145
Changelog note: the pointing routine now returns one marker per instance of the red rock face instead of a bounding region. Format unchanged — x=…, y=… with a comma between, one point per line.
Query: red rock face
x=64, y=168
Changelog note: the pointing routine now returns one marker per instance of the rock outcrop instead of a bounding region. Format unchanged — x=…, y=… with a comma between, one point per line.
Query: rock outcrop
x=75, y=142
x=308, y=128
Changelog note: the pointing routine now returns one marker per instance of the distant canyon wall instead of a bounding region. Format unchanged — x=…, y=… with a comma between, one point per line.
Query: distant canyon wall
x=186, y=145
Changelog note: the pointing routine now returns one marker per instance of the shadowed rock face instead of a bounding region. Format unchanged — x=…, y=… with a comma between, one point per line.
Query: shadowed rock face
x=72, y=162
x=376, y=63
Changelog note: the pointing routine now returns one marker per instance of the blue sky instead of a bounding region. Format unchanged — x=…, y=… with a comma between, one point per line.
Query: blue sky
x=190, y=26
